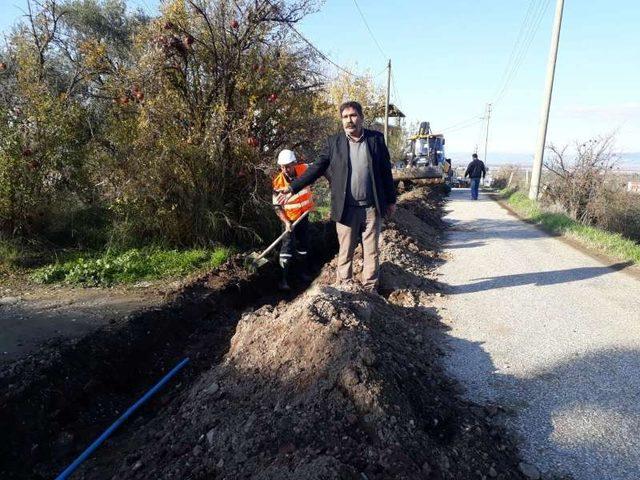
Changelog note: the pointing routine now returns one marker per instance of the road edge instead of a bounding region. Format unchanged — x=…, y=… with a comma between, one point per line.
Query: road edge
x=606, y=260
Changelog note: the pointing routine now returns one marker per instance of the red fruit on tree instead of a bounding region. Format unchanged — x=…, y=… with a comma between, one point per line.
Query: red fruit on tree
x=188, y=40
x=169, y=26
x=139, y=95
x=3, y=66
x=273, y=97
x=252, y=141
x=27, y=152
x=234, y=24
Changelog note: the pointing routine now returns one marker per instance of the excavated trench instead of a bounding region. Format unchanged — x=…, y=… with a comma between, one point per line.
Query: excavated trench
x=56, y=401
x=321, y=384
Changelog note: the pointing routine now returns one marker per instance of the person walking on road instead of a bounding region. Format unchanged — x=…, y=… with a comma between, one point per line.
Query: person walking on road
x=475, y=171
x=356, y=162
x=296, y=240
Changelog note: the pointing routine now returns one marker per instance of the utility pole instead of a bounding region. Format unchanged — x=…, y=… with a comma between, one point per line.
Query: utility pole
x=386, y=105
x=536, y=171
x=486, y=138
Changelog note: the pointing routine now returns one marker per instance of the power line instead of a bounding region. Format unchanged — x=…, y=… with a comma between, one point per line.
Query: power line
x=380, y=49
x=525, y=49
x=536, y=15
x=384, y=55
x=395, y=91
x=322, y=55
x=526, y=34
x=516, y=45
x=380, y=72
x=317, y=50
x=479, y=137
x=463, y=124
x=464, y=127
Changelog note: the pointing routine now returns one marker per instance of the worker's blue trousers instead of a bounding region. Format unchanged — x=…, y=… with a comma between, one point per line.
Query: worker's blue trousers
x=475, y=186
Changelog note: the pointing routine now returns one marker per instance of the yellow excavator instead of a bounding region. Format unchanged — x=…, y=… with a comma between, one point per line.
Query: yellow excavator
x=424, y=157
x=425, y=150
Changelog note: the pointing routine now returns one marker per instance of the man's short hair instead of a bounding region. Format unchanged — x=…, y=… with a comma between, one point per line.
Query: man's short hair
x=475, y=155
x=355, y=105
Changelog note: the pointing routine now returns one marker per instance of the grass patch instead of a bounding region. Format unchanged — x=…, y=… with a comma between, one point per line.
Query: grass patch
x=595, y=238
x=130, y=266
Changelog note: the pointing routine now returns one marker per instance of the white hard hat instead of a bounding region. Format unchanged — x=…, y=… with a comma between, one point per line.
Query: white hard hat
x=286, y=157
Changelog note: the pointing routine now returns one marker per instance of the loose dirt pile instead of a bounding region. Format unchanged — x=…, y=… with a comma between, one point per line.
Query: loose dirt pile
x=332, y=385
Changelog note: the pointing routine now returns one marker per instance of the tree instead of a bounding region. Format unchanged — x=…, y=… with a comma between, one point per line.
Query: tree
x=362, y=89
x=43, y=127
x=167, y=128
x=218, y=87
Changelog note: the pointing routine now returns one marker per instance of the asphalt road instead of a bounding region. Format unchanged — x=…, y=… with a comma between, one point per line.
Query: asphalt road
x=549, y=332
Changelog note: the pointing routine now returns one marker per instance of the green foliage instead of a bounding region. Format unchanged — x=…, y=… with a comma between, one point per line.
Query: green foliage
x=124, y=130
x=10, y=254
x=130, y=266
x=320, y=213
x=613, y=244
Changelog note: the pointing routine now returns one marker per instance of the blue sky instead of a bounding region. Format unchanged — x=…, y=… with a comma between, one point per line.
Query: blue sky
x=449, y=59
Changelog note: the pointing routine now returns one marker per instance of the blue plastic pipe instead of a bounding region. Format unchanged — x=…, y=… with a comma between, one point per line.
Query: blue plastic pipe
x=78, y=461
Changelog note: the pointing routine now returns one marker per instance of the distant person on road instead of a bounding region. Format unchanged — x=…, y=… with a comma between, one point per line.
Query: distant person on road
x=475, y=171
x=448, y=170
x=356, y=163
x=296, y=240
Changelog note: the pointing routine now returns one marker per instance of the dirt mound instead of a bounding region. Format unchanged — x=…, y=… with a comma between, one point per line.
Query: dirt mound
x=332, y=385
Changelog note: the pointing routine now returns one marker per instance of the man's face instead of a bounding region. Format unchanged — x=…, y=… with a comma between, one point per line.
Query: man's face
x=288, y=169
x=351, y=121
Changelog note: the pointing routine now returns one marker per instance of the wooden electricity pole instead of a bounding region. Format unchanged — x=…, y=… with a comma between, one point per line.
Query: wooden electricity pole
x=486, y=138
x=536, y=172
x=386, y=105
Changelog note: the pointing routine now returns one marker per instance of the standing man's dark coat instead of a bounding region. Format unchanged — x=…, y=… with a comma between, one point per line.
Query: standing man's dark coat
x=475, y=169
x=334, y=163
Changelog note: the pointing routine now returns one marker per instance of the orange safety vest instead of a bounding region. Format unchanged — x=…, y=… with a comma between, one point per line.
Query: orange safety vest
x=298, y=203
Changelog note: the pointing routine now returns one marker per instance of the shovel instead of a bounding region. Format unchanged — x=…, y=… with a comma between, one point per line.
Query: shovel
x=254, y=261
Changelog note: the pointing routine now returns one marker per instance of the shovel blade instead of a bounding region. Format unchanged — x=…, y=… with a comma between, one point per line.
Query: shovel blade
x=253, y=263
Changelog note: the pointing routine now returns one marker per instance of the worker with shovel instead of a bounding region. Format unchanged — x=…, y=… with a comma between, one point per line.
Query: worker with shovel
x=296, y=238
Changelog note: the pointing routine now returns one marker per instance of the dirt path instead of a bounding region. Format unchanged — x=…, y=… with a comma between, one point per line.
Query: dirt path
x=31, y=315
x=550, y=333
x=323, y=384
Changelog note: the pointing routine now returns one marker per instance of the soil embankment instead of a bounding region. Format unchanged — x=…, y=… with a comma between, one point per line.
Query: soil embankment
x=325, y=384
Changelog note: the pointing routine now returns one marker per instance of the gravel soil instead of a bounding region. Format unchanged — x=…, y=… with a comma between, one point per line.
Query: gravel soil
x=324, y=384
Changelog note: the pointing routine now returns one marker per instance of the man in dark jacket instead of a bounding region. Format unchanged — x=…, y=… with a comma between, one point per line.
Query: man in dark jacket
x=356, y=163
x=475, y=171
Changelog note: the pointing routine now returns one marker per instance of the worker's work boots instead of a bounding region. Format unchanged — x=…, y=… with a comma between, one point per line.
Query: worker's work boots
x=283, y=285
x=306, y=273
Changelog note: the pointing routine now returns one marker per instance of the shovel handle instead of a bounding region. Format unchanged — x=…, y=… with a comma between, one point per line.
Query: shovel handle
x=277, y=240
